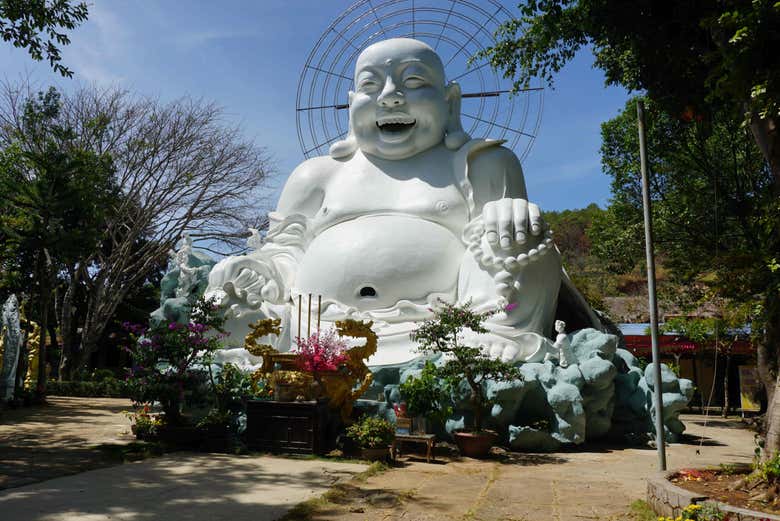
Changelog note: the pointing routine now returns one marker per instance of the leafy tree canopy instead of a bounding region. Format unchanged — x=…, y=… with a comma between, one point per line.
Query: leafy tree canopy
x=53, y=197
x=39, y=26
x=684, y=54
x=714, y=217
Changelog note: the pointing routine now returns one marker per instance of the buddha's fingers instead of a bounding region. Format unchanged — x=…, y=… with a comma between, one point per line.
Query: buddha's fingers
x=520, y=216
x=535, y=218
x=504, y=211
x=490, y=217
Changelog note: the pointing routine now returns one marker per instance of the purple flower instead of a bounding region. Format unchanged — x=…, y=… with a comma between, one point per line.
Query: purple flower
x=173, y=326
x=509, y=307
x=197, y=328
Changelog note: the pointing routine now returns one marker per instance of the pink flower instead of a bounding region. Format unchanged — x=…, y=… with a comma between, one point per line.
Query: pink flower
x=321, y=352
x=509, y=307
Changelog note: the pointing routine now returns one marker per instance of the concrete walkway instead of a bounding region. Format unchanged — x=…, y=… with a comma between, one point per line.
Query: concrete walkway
x=61, y=438
x=591, y=483
x=179, y=487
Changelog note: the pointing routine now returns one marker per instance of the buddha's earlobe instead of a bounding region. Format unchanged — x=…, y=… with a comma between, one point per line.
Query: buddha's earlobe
x=454, y=135
x=347, y=146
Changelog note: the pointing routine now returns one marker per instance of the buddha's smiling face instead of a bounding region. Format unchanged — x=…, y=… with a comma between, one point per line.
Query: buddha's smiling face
x=400, y=106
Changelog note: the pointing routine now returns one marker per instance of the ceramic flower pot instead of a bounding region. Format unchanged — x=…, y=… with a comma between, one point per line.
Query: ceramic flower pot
x=374, y=453
x=474, y=444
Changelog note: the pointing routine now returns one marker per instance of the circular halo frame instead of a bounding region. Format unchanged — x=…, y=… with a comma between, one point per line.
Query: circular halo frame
x=457, y=30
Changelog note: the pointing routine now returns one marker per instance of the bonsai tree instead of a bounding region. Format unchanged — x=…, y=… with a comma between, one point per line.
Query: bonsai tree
x=443, y=335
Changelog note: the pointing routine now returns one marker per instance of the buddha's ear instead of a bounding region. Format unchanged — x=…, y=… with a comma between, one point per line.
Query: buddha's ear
x=454, y=135
x=347, y=146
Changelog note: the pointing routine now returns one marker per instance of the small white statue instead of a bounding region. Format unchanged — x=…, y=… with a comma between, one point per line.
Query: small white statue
x=565, y=354
x=407, y=209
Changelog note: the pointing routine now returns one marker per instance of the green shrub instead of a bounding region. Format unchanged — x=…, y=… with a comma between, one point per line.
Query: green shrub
x=99, y=375
x=106, y=388
x=167, y=358
x=426, y=395
x=372, y=432
x=768, y=470
x=232, y=387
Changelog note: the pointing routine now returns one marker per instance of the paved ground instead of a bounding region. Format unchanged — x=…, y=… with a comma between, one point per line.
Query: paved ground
x=61, y=439
x=178, y=487
x=39, y=443
x=596, y=483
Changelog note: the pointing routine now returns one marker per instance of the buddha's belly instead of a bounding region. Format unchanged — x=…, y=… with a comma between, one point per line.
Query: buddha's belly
x=373, y=262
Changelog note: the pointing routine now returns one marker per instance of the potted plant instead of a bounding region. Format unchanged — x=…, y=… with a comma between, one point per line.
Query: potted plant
x=144, y=424
x=373, y=435
x=465, y=365
x=427, y=398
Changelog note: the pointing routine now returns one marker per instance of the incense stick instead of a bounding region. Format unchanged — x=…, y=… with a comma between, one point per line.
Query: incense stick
x=319, y=311
x=300, y=304
x=308, y=322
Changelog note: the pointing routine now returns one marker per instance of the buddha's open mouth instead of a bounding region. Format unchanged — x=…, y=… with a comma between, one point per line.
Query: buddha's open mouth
x=394, y=125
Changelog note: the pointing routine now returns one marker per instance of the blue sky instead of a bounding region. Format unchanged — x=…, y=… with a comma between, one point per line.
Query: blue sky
x=247, y=56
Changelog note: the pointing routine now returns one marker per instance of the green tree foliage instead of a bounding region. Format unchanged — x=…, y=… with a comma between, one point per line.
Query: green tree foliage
x=39, y=26
x=177, y=167
x=53, y=200
x=695, y=59
x=426, y=395
x=715, y=219
x=571, y=230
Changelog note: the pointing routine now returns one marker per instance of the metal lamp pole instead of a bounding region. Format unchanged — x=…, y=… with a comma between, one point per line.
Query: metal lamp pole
x=653, y=305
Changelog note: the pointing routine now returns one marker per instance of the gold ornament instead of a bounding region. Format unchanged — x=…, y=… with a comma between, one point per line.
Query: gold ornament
x=337, y=386
x=33, y=348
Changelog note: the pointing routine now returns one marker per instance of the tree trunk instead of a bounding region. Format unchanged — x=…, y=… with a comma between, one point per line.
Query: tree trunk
x=771, y=345
x=476, y=401
x=100, y=309
x=767, y=136
x=725, y=410
x=66, y=331
x=45, y=298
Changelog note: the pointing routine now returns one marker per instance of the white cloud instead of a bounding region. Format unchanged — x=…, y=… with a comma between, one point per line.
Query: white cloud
x=100, y=47
x=187, y=41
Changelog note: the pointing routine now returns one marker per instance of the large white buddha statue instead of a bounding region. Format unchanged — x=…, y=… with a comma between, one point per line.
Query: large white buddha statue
x=406, y=210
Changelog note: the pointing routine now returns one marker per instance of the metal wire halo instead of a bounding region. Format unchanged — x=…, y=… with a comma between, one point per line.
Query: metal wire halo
x=456, y=29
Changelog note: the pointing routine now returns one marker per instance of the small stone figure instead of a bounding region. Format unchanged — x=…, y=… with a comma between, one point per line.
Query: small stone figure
x=566, y=355
x=185, y=280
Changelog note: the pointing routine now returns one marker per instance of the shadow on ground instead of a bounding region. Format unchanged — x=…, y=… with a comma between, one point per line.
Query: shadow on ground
x=61, y=438
x=187, y=486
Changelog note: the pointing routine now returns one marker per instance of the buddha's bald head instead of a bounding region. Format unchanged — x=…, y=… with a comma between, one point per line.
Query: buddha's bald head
x=399, y=49
x=401, y=105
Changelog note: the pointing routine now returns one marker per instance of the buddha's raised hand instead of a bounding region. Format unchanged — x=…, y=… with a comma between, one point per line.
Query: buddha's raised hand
x=510, y=222
x=244, y=280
